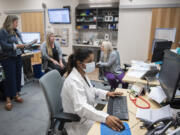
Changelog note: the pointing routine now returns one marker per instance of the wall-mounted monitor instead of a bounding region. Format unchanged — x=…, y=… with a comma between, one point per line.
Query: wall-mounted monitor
x=30, y=36
x=59, y=16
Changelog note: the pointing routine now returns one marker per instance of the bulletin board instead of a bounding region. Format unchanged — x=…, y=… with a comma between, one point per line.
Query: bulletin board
x=62, y=36
x=165, y=33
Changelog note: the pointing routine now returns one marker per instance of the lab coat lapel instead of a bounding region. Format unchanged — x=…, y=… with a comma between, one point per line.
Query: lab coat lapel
x=88, y=90
x=78, y=77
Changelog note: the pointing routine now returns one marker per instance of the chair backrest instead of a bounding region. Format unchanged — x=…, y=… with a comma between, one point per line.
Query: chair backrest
x=51, y=84
x=118, y=57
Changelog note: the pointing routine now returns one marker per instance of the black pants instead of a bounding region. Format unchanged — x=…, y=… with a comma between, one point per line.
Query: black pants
x=58, y=68
x=12, y=68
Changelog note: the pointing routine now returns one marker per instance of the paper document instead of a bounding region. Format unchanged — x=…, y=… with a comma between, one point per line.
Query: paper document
x=157, y=94
x=135, y=73
x=153, y=115
x=177, y=93
x=140, y=65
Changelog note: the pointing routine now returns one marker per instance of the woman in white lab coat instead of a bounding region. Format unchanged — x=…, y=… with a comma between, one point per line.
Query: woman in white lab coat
x=78, y=95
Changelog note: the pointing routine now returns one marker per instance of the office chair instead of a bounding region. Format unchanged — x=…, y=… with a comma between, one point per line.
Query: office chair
x=51, y=84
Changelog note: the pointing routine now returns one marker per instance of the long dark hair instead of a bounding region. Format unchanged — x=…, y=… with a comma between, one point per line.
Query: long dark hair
x=79, y=55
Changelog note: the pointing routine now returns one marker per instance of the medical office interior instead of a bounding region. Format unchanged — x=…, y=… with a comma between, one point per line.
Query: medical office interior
x=89, y=67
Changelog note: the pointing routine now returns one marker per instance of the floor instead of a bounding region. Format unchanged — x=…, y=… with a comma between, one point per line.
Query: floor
x=31, y=117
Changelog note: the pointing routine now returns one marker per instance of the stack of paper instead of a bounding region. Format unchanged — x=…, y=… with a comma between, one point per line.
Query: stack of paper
x=157, y=94
x=135, y=73
x=140, y=65
x=153, y=115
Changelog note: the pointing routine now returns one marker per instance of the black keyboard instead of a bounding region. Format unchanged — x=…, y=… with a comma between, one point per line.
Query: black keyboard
x=117, y=106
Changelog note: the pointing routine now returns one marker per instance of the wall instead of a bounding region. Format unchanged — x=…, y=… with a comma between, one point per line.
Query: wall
x=19, y=5
x=165, y=18
x=97, y=1
x=135, y=27
x=148, y=2
x=133, y=34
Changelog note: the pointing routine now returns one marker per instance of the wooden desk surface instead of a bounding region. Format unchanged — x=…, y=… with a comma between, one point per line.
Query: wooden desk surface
x=28, y=54
x=133, y=122
x=130, y=79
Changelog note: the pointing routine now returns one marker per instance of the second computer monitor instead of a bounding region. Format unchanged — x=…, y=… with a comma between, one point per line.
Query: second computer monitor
x=158, y=50
x=169, y=76
x=30, y=36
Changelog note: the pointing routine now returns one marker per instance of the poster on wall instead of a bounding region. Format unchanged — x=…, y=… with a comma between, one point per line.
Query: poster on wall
x=62, y=36
x=165, y=33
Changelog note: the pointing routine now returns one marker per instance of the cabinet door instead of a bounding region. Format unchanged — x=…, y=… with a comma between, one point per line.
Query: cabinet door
x=33, y=22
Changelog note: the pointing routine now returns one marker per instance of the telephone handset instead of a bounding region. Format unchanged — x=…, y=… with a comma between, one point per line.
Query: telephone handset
x=159, y=127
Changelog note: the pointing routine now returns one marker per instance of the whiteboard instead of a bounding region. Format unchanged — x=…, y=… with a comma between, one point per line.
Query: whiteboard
x=165, y=33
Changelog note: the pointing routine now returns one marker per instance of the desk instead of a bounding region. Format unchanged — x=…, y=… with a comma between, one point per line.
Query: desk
x=134, y=123
x=130, y=79
x=26, y=61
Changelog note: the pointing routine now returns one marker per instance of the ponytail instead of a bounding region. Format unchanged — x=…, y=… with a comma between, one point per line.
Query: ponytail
x=71, y=64
x=79, y=55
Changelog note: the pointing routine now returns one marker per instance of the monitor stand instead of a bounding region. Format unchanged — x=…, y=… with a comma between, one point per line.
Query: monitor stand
x=175, y=103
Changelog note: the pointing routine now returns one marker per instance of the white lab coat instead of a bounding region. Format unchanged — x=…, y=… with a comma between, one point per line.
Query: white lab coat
x=78, y=98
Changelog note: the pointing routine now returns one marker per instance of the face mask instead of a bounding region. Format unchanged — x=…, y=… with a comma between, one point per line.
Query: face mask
x=90, y=67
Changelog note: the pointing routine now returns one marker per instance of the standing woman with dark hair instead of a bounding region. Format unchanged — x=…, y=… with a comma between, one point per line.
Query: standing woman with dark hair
x=78, y=95
x=12, y=45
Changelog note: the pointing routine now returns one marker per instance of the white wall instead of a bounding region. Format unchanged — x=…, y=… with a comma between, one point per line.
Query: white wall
x=97, y=1
x=17, y=5
x=133, y=34
x=148, y=2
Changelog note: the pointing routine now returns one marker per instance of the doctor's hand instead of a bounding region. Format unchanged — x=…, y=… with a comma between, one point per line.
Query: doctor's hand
x=114, y=94
x=114, y=123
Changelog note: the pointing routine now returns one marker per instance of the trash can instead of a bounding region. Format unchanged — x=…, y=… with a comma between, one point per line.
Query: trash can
x=37, y=70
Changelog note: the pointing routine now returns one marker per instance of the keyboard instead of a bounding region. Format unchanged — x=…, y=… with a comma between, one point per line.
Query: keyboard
x=117, y=106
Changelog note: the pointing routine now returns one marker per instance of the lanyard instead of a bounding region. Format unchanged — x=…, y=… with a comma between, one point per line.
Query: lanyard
x=142, y=99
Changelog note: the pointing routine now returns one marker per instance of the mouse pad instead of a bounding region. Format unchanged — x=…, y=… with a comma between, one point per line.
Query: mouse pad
x=105, y=130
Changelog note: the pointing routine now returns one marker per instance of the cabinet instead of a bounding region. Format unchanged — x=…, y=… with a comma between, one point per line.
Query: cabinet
x=97, y=18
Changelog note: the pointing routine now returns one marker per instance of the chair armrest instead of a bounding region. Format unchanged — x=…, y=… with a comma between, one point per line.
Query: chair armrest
x=127, y=65
x=64, y=55
x=67, y=117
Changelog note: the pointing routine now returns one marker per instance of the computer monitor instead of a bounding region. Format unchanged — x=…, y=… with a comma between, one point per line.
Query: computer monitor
x=169, y=76
x=30, y=36
x=158, y=50
x=59, y=16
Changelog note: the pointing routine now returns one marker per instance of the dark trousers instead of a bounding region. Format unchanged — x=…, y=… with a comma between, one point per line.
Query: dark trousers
x=12, y=68
x=58, y=68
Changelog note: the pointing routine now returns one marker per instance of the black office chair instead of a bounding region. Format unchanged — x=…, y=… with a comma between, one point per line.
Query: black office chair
x=51, y=84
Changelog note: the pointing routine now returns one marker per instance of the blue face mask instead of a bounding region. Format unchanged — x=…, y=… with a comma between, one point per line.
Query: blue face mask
x=90, y=67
